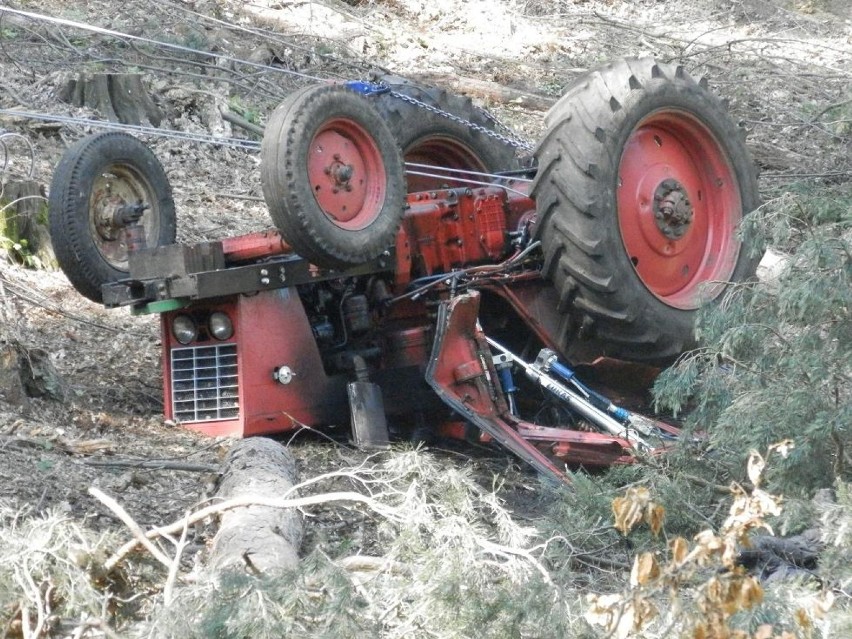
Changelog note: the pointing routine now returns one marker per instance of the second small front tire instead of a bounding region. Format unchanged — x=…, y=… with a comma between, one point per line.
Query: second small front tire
x=643, y=180
x=332, y=176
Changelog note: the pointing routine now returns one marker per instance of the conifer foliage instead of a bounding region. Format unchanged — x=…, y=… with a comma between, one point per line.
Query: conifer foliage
x=777, y=357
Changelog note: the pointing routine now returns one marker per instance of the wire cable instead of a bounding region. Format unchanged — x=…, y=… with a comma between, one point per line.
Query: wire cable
x=167, y=45
x=466, y=181
x=447, y=169
x=249, y=145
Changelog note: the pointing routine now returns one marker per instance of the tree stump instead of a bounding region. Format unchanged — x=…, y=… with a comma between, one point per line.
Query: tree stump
x=257, y=539
x=24, y=222
x=119, y=97
x=28, y=372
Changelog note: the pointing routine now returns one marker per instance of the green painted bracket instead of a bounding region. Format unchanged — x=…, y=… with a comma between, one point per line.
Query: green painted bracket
x=162, y=306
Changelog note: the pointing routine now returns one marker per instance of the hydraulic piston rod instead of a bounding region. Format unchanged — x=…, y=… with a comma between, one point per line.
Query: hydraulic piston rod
x=574, y=400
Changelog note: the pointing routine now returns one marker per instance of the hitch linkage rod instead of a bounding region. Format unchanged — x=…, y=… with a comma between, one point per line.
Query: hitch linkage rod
x=576, y=401
x=547, y=361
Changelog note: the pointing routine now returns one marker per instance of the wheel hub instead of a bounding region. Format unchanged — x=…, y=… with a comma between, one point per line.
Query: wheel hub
x=112, y=213
x=346, y=172
x=120, y=198
x=673, y=211
x=678, y=204
x=341, y=174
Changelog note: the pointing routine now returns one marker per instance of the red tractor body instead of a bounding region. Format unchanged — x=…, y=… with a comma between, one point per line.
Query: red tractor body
x=419, y=267
x=226, y=386
x=287, y=361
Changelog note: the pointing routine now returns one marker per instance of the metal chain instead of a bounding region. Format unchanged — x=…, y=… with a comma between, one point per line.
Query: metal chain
x=509, y=139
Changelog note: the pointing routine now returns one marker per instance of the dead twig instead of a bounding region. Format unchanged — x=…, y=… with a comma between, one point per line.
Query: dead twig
x=236, y=120
x=829, y=108
x=168, y=590
x=216, y=509
x=127, y=520
x=367, y=563
x=239, y=196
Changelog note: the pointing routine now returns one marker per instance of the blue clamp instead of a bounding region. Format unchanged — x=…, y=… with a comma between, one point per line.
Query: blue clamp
x=368, y=88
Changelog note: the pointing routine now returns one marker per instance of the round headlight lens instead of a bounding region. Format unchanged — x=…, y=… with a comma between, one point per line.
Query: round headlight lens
x=221, y=326
x=184, y=329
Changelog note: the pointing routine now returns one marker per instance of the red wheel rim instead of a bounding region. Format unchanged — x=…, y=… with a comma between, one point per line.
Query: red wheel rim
x=347, y=174
x=678, y=208
x=443, y=152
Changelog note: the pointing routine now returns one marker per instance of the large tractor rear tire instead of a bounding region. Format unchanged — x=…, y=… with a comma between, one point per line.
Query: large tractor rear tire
x=426, y=136
x=332, y=176
x=643, y=179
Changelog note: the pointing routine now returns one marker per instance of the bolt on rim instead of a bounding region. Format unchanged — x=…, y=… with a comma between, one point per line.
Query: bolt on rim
x=347, y=174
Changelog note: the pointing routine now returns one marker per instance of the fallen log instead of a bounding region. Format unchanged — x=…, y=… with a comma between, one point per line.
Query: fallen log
x=259, y=539
x=774, y=558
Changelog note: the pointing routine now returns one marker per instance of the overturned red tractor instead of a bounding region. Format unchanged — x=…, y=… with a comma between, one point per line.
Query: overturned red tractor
x=422, y=276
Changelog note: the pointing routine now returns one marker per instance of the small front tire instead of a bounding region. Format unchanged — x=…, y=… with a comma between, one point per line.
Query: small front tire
x=94, y=177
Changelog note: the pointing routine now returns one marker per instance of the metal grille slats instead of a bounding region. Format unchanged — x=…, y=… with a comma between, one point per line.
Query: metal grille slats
x=204, y=383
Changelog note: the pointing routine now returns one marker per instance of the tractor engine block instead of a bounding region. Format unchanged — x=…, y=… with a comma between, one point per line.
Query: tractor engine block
x=454, y=228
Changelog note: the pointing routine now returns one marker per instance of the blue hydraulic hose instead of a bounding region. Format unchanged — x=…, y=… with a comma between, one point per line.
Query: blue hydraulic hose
x=598, y=400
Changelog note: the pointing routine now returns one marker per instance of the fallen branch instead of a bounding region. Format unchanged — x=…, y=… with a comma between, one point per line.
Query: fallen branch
x=489, y=90
x=154, y=464
x=236, y=120
x=506, y=551
x=168, y=590
x=367, y=563
x=595, y=561
x=127, y=520
x=239, y=196
x=216, y=509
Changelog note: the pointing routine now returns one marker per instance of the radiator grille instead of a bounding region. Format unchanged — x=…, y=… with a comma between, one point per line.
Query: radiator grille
x=204, y=383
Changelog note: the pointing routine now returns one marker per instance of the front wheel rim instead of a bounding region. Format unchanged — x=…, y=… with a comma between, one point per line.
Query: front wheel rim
x=116, y=186
x=679, y=205
x=346, y=172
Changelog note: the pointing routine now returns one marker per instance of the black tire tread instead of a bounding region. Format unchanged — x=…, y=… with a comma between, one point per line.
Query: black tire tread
x=409, y=123
x=289, y=197
x=574, y=190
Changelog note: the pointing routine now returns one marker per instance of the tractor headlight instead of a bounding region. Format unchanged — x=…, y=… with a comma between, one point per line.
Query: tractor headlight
x=184, y=329
x=220, y=326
